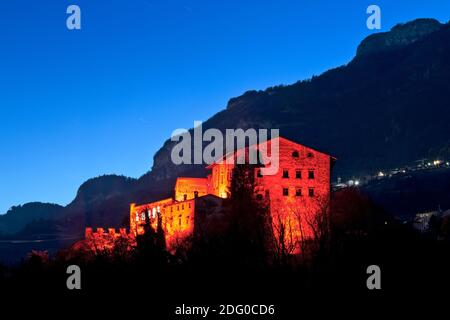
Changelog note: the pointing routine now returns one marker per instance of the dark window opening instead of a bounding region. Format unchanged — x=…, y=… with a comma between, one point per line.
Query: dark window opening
x=285, y=191
x=285, y=174
x=298, y=174
x=310, y=155
x=311, y=192
x=310, y=174
x=298, y=192
x=295, y=154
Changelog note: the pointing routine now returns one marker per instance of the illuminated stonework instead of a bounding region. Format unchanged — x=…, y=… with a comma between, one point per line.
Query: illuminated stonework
x=189, y=188
x=296, y=195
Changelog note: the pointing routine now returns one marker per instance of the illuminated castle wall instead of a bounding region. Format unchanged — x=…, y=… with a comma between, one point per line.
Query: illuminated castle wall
x=296, y=194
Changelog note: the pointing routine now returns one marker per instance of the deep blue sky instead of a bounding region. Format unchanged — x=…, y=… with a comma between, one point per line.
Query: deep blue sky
x=77, y=104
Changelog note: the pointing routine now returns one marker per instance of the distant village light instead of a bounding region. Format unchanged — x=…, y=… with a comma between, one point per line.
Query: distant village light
x=381, y=174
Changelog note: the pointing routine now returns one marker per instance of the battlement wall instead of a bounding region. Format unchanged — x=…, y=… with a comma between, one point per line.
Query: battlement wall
x=102, y=232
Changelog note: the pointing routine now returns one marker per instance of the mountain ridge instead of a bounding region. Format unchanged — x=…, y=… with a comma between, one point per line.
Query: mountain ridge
x=386, y=107
x=400, y=35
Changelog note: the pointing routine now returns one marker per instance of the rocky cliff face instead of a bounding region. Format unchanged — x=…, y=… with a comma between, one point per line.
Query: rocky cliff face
x=400, y=35
x=385, y=108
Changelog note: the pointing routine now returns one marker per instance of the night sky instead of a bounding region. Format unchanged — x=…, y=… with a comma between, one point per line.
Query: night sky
x=101, y=100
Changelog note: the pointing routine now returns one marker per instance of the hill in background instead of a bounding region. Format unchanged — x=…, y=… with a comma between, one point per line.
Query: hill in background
x=386, y=107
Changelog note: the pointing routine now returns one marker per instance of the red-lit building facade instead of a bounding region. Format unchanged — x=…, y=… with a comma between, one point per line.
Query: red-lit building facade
x=296, y=193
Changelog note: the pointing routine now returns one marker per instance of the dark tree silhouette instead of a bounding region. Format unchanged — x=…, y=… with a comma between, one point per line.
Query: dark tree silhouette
x=150, y=246
x=249, y=231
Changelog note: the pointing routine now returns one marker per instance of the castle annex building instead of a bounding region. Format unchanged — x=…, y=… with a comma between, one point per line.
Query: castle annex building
x=295, y=195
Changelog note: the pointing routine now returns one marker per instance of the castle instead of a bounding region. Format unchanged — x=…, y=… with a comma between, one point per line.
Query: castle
x=298, y=192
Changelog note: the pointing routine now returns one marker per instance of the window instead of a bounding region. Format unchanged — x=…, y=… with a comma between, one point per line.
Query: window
x=187, y=220
x=311, y=174
x=295, y=154
x=195, y=196
x=285, y=174
x=137, y=216
x=285, y=192
x=298, y=174
x=185, y=197
x=310, y=155
x=171, y=209
x=179, y=220
x=298, y=192
x=259, y=174
x=311, y=192
x=182, y=207
x=189, y=205
x=178, y=207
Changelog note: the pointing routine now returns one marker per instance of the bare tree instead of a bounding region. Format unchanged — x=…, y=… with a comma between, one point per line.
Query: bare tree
x=284, y=240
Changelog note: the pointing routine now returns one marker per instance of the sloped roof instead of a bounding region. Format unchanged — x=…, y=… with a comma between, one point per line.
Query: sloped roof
x=282, y=139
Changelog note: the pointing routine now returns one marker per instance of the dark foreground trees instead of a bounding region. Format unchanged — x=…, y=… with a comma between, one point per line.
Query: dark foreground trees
x=241, y=240
x=356, y=234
